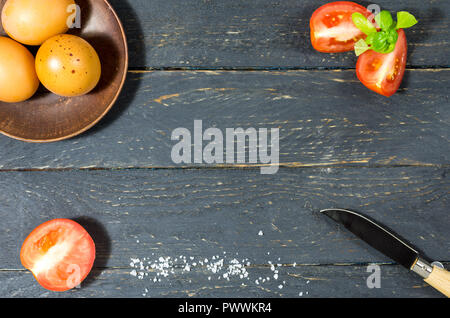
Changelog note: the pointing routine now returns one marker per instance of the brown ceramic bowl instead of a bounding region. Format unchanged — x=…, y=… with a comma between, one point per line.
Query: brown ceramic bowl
x=47, y=117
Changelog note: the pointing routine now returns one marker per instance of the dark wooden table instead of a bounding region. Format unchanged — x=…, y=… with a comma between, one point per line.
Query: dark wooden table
x=239, y=63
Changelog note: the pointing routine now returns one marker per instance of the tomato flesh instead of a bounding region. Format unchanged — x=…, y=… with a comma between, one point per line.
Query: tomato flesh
x=60, y=253
x=383, y=73
x=332, y=28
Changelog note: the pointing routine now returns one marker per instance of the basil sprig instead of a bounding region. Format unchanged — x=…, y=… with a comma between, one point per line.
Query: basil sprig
x=384, y=39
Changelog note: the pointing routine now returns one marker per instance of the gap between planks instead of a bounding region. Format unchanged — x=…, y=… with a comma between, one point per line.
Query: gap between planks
x=268, y=69
x=338, y=165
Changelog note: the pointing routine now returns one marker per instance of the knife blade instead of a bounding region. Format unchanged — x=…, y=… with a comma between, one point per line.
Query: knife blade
x=390, y=244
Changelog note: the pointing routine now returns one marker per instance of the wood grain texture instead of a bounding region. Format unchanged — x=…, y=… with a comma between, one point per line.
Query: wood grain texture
x=324, y=117
x=259, y=34
x=300, y=282
x=440, y=279
x=207, y=212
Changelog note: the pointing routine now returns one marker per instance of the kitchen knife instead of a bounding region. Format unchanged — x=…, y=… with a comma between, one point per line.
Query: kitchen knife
x=385, y=241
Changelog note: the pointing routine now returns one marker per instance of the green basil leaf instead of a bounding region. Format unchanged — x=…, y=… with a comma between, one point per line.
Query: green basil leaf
x=384, y=20
x=391, y=48
x=405, y=20
x=385, y=40
x=361, y=22
x=380, y=42
x=370, y=38
x=361, y=47
x=392, y=36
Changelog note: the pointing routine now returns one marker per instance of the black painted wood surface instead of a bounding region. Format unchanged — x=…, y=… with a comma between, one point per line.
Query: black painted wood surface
x=324, y=117
x=300, y=282
x=340, y=146
x=202, y=213
x=230, y=214
x=260, y=34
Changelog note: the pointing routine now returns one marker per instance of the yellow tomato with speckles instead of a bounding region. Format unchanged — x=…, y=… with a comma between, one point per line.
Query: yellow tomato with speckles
x=68, y=65
x=18, y=79
x=31, y=22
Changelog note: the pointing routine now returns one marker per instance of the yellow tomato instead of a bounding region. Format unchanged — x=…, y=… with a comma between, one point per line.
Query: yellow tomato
x=67, y=65
x=18, y=79
x=31, y=22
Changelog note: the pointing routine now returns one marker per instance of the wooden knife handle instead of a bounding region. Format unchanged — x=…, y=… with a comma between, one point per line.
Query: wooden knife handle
x=440, y=279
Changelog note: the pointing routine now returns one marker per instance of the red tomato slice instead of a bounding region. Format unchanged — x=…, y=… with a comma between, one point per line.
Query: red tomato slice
x=383, y=73
x=59, y=253
x=332, y=28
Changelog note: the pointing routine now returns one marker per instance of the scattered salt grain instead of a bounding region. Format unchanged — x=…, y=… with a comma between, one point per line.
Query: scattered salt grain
x=158, y=268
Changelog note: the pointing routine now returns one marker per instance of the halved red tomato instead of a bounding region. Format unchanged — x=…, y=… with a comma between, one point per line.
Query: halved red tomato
x=332, y=28
x=60, y=253
x=383, y=73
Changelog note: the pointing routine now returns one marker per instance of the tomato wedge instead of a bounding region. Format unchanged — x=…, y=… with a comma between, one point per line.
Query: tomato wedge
x=332, y=28
x=59, y=253
x=383, y=73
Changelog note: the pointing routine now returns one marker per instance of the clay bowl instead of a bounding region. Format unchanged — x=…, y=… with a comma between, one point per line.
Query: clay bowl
x=47, y=117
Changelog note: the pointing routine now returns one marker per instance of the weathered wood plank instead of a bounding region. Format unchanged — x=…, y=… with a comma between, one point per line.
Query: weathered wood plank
x=259, y=34
x=299, y=282
x=324, y=117
x=228, y=213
